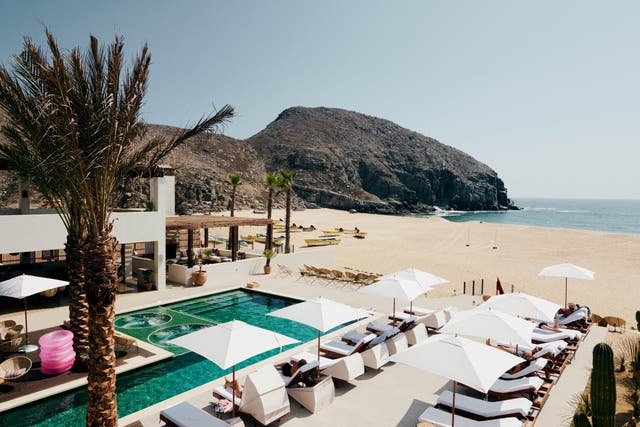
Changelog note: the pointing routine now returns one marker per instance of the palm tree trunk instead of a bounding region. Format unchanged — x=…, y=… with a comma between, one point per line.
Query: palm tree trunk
x=231, y=235
x=269, y=243
x=100, y=278
x=78, y=305
x=287, y=222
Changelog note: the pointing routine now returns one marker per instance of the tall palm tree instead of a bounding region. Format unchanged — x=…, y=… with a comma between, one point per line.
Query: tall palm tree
x=234, y=181
x=285, y=182
x=92, y=109
x=38, y=157
x=270, y=181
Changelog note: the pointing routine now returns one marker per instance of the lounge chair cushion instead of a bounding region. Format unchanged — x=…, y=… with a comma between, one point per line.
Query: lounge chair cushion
x=299, y=373
x=418, y=311
x=518, y=406
x=325, y=362
x=534, y=366
x=185, y=414
x=355, y=336
x=227, y=393
x=524, y=384
x=443, y=419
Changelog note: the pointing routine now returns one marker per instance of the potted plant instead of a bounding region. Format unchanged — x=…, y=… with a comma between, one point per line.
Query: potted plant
x=199, y=277
x=269, y=254
x=145, y=279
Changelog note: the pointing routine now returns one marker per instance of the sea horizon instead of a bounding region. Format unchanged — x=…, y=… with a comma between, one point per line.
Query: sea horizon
x=605, y=215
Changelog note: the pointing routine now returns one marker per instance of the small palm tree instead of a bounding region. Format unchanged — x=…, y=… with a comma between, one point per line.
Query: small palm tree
x=234, y=181
x=270, y=181
x=285, y=182
x=90, y=111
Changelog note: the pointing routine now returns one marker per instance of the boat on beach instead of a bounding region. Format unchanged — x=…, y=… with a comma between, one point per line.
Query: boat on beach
x=322, y=241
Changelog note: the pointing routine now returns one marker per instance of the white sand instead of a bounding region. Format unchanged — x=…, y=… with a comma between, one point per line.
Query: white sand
x=440, y=247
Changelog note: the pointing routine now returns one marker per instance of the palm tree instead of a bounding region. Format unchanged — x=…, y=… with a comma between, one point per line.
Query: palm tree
x=270, y=181
x=234, y=181
x=285, y=182
x=92, y=112
x=38, y=158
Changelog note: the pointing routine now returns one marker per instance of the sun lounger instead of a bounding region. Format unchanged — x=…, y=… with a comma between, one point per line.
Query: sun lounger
x=185, y=414
x=518, y=407
x=379, y=327
x=581, y=314
x=546, y=335
x=341, y=349
x=533, y=367
x=264, y=396
x=442, y=418
x=299, y=373
x=345, y=368
x=505, y=388
x=418, y=311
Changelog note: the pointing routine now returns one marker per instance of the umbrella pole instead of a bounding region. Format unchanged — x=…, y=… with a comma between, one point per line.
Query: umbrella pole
x=565, y=292
x=26, y=326
x=394, y=312
x=233, y=392
x=453, y=406
x=318, y=368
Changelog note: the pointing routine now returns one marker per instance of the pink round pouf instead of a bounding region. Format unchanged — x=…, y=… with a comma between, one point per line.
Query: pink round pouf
x=56, y=352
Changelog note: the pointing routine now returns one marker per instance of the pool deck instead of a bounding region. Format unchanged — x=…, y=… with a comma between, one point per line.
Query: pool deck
x=392, y=396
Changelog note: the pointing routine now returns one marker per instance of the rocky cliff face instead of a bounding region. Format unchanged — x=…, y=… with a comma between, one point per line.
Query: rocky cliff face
x=348, y=160
x=344, y=160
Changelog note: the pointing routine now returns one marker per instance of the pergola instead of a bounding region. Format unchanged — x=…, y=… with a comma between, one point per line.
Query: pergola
x=194, y=222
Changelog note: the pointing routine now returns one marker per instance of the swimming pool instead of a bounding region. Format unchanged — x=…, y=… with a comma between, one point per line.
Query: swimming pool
x=151, y=384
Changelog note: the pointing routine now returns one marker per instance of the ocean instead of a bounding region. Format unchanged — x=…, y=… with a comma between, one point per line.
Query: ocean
x=616, y=216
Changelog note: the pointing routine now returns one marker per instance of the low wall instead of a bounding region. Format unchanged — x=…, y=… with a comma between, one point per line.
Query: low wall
x=318, y=258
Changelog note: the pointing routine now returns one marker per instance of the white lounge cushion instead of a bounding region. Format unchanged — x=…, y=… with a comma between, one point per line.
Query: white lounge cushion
x=419, y=311
x=185, y=414
x=338, y=347
x=518, y=406
x=325, y=362
x=580, y=314
x=443, y=419
x=546, y=335
x=533, y=367
x=514, y=386
x=355, y=336
x=226, y=393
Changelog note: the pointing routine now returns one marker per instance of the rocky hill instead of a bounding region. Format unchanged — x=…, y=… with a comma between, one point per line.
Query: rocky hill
x=349, y=160
x=344, y=160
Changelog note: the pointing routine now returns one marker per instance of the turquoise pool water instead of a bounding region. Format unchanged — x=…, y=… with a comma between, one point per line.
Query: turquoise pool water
x=154, y=383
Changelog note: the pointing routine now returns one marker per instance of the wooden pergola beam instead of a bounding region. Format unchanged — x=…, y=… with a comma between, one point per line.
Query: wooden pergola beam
x=193, y=222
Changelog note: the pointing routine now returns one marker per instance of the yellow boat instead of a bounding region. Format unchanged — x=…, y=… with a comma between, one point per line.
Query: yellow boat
x=328, y=233
x=360, y=235
x=261, y=238
x=322, y=241
x=348, y=231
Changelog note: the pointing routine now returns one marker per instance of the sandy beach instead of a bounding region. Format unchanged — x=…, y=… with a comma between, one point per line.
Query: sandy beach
x=440, y=247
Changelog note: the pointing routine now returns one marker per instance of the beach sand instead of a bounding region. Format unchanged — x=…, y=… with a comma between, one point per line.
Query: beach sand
x=440, y=247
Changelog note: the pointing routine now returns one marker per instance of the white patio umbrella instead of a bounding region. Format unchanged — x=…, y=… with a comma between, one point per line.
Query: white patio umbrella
x=487, y=323
x=394, y=286
x=321, y=314
x=567, y=271
x=523, y=305
x=459, y=359
x=230, y=343
x=420, y=277
x=22, y=287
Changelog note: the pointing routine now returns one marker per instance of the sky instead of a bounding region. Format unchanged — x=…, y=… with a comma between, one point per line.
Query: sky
x=544, y=92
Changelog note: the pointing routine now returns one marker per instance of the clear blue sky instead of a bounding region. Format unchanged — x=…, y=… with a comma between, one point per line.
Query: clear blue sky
x=545, y=92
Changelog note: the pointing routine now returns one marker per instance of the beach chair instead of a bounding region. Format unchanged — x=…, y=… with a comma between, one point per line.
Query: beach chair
x=375, y=353
x=283, y=271
x=479, y=408
x=532, y=368
x=184, y=414
x=299, y=374
x=344, y=368
x=378, y=327
x=337, y=349
x=545, y=335
x=264, y=396
x=315, y=397
x=511, y=388
x=441, y=418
